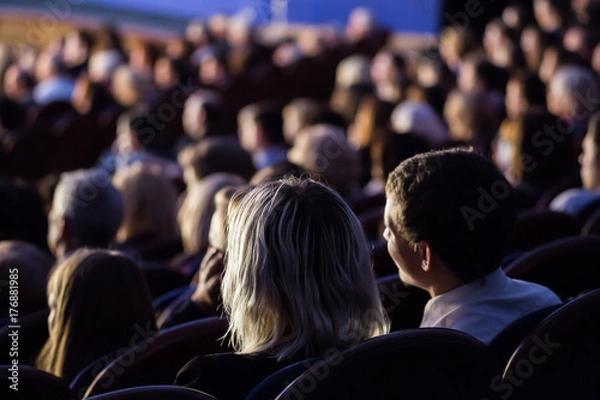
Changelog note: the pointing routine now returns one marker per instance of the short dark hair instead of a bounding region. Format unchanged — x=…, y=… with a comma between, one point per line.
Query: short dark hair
x=460, y=203
x=269, y=117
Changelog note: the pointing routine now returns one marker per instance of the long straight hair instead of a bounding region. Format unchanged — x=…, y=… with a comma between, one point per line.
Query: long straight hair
x=102, y=304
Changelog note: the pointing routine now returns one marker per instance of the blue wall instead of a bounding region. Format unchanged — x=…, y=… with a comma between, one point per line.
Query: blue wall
x=406, y=15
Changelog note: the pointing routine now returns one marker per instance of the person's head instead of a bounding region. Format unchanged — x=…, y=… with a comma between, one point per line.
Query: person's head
x=449, y=215
x=133, y=131
x=533, y=42
x=168, y=72
x=48, y=65
x=212, y=155
x=297, y=115
x=552, y=15
x=590, y=157
x=555, y=58
x=142, y=56
x=99, y=302
x=197, y=210
x=533, y=150
x=388, y=67
x=89, y=96
x=87, y=211
x=103, y=64
x=202, y=111
x=455, y=43
x=18, y=83
x=524, y=91
x=217, y=234
x=260, y=127
x=146, y=213
x=299, y=279
x=324, y=150
x=580, y=40
x=129, y=87
x=353, y=70
x=478, y=75
x=420, y=119
x=470, y=116
x=361, y=24
x=397, y=148
x=572, y=92
x=78, y=44
x=277, y=171
x=33, y=266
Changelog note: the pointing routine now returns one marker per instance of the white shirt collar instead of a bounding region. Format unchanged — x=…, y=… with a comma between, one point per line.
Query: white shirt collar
x=443, y=304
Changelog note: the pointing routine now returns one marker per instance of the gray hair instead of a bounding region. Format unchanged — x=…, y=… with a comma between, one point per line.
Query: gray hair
x=298, y=280
x=93, y=205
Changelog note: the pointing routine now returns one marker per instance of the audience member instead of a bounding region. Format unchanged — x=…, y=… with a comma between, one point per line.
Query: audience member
x=446, y=240
x=261, y=134
x=99, y=303
x=577, y=202
x=149, y=219
x=87, y=211
x=292, y=247
x=195, y=215
x=53, y=82
x=324, y=150
x=215, y=154
x=33, y=266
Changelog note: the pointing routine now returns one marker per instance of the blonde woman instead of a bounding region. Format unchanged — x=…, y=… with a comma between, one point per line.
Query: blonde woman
x=195, y=215
x=149, y=218
x=298, y=283
x=99, y=303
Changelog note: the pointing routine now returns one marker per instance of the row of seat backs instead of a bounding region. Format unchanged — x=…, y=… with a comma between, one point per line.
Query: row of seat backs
x=558, y=359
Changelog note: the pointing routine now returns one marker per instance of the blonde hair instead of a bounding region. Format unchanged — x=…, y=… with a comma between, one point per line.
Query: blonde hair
x=198, y=207
x=299, y=279
x=145, y=212
x=325, y=151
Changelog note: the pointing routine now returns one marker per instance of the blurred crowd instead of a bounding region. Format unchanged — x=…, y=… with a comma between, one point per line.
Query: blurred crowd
x=139, y=145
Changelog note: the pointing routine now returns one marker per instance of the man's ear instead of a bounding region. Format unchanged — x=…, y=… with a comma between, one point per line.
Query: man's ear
x=426, y=253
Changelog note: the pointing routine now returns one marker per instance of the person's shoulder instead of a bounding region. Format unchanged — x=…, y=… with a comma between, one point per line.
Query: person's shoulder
x=571, y=198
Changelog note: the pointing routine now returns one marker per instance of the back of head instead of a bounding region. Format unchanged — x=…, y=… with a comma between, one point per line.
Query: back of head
x=571, y=92
x=298, y=279
x=420, y=119
x=217, y=154
x=198, y=207
x=277, y=171
x=459, y=203
x=91, y=204
x=150, y=203
x=325, y=151
x=33, y=266
x=101, y=304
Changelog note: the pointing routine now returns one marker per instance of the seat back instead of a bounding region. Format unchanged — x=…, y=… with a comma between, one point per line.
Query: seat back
x=403, y=304
x=560, y=358
x=428, y=363
x=80, y=384
x=156, y=392
x=568, y=266
x=536, y=228
x=157, y=360
x=275, y=383
x=592, y=225
x=507, y=341
x=32, y=383
x=33, y=333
